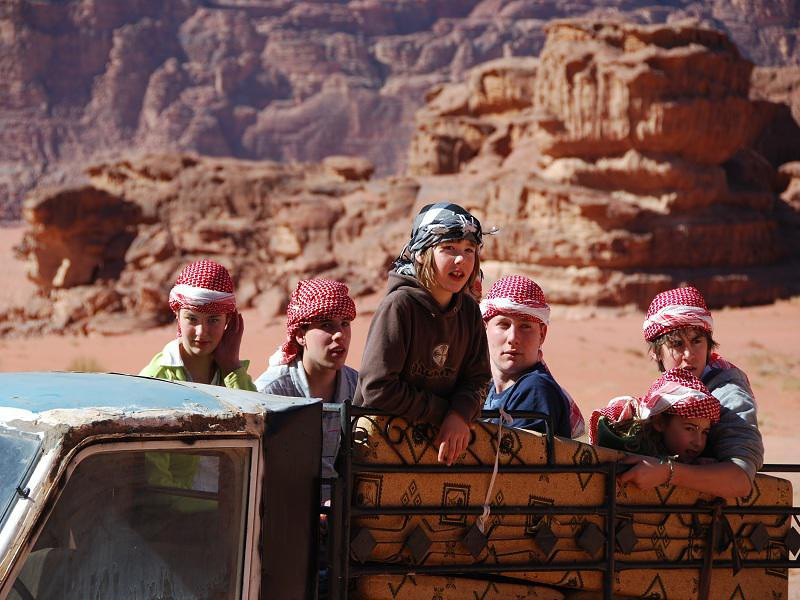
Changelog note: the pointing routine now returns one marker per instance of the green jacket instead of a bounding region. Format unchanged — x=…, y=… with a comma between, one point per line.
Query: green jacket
x=168, y=365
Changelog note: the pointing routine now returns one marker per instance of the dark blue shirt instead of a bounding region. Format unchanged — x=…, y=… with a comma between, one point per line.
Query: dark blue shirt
x=535, y=391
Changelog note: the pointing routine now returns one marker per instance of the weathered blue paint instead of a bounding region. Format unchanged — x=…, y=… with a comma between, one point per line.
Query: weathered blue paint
x=38, y=392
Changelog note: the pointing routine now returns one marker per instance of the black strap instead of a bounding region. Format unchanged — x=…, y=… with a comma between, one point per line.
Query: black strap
x=719, y=537
x=22, y=590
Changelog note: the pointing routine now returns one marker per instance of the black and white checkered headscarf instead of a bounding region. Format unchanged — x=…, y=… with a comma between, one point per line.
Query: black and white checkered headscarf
x=437, y=223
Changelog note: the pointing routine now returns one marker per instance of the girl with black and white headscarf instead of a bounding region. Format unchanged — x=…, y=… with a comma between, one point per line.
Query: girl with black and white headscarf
x=426, y=356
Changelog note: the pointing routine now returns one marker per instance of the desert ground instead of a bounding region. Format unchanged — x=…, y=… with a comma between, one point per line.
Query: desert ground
x=594, y=358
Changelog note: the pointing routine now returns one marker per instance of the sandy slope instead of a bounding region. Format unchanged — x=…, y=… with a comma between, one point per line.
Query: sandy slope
x=595, y=359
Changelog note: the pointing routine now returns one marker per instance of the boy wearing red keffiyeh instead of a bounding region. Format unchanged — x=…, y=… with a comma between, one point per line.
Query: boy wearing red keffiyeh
x=678, y=328
x=310, y=363
x=672, y=420
x=516, y=317
x=209, y=331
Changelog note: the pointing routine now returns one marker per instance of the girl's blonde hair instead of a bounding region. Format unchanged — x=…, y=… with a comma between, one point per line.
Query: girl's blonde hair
x=426, y=271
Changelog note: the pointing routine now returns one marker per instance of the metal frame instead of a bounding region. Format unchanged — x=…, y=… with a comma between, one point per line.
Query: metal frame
x=343, y=569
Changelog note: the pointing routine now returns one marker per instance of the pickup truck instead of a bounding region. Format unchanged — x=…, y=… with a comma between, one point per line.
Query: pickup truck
x=124, y=487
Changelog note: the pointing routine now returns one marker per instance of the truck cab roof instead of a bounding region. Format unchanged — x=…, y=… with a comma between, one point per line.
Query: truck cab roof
x=114, y=393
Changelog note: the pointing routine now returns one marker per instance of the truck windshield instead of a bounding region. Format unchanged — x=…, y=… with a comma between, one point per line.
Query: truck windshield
x=17, y=452
x=144, y=524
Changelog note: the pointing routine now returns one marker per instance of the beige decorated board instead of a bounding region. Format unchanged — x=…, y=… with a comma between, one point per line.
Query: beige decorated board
x=452, y=539
x=429, y=587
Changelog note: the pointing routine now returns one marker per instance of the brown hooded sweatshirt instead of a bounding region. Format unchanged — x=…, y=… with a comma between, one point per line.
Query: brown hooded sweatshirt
x=421, y=361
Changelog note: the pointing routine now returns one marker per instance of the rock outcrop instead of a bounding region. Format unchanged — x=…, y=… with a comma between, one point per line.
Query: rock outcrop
x=611, y=163
x=621, y=162
x=83, y=81
x=116, y=243
x=779, y=142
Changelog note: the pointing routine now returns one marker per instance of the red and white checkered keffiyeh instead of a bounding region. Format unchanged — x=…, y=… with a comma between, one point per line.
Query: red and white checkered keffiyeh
x=203, y=286
x=518, y=296
x=522, y=297
x=313, y=300
x=674, y=309
x=676, y=392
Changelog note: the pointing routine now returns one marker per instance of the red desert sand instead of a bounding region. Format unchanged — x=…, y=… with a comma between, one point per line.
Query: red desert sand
x=595, y=359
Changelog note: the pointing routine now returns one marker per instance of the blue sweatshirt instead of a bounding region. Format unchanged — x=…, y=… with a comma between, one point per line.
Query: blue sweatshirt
x=535, y=391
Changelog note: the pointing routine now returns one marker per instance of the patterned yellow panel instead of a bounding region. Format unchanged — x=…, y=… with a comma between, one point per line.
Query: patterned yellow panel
x=548, y=539
x=431, y=587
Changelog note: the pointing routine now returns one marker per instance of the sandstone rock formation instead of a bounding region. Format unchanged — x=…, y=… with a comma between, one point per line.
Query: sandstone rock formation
x=778, y=84
x=621, y=163
x=82, y=81
x=617, y=164
x=789, y=208
x=116, y=243
x=779, y=142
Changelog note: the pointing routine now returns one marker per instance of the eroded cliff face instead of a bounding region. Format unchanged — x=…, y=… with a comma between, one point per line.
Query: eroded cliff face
x=113, y=246
x=282, y=80
x=622, y=161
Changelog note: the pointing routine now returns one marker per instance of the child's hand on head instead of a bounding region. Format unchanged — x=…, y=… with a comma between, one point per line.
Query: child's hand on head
x=453, y=438
x=226, y=354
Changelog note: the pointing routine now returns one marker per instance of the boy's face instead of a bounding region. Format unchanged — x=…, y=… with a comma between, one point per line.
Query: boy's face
x=200, y=332
x=683, y=436
x=686, y=348
x=325, y=344
x=453, y=263
x=514, y=344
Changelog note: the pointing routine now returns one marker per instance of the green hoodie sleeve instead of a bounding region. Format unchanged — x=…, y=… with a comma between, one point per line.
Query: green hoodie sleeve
x=240, y=379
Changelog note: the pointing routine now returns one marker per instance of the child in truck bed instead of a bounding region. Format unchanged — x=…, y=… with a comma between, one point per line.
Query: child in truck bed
x=426, y=356
x=516, y=316
x=310, y=362
x=678, y=328
x=210, y=330
x=671, y=421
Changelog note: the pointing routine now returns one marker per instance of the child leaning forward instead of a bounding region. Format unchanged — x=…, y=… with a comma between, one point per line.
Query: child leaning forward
x=671, y=421
x=426, y=356
x=679, y=330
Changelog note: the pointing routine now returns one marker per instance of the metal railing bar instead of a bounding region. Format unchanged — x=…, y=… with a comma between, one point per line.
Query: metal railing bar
x=402, y=569
x=595, y=509
x=599, y=565
x=477, y=510
x=780, y=468
x=611, y=532
x=457, y=469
